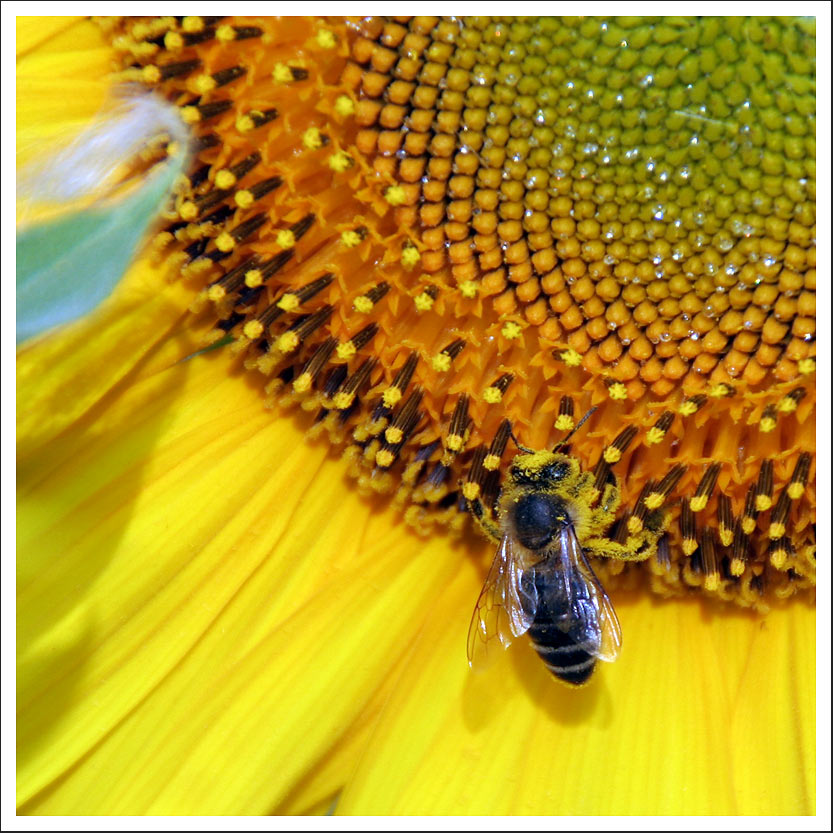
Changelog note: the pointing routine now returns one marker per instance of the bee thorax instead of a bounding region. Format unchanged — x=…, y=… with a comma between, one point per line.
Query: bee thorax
x=537, y=517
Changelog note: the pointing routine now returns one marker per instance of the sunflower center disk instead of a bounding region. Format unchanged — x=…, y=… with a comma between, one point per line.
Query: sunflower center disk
x=424, y=231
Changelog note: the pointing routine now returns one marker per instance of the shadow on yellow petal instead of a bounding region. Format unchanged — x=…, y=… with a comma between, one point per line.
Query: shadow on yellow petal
x=668, y=729
x=245, y=610
x=61, y=376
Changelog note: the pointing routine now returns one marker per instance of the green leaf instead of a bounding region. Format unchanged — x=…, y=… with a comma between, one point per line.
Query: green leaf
x=67, y=266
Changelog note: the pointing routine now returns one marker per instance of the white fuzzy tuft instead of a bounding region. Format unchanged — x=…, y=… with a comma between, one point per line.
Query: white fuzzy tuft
x=89, y=164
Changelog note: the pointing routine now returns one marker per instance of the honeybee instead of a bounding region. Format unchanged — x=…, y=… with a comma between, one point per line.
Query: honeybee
x=549, y=516
x=540, y=581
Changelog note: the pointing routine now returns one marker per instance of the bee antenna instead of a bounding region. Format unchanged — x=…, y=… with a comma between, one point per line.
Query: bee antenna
x=580, y=423
x=521, y=447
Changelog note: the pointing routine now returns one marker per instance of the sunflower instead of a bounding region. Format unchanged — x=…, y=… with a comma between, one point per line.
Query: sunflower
x=211, y=621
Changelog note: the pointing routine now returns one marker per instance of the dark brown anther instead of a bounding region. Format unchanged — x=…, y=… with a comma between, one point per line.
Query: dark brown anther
x=177, y=69
x=226, y=76
x=704, y=488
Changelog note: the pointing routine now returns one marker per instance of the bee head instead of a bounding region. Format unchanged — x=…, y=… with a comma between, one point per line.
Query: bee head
x=541, y=469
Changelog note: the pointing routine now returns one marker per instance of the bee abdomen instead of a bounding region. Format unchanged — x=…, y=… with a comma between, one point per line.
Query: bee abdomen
x=567, y=660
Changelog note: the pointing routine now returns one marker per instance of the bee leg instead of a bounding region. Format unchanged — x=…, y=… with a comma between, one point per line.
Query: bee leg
x=639, y=537
x=484, y=519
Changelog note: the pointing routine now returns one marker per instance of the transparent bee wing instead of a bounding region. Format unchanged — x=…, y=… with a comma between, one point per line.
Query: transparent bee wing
x=505, y=607
x=588, y=616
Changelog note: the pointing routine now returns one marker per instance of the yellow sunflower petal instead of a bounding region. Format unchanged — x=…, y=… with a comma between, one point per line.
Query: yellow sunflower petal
x=60, y=377
x=60, y=85
x=693, y=719
x=194, y=634
x=36, y=32
x=62, y=80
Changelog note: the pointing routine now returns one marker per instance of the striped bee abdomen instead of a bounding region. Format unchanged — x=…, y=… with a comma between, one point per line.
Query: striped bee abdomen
x=556, y=633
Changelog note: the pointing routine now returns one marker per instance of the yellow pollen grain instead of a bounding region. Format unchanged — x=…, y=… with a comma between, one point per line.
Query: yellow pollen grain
x=285, y=239
x=244, y=124
x=225, y=179
x=533, y=462
x=394, y=435
x=190, y=114
x=612, y=455
x=226, y=33
x=325, y=39
x=688, y=408
x=726, y=536
x=287, y=342
x=303, y=383
x=391, y=396
x=778, y=559
x=192, y=24
x=795, y=490
x=689, y=546
x=471, y=491
x=346, y=350
x=216, y=293
x=164, y=238
x=340, y=161
x=145, y=49
x=453, y=442
x=748, y=525
x=204, y=84
x=395, y=195
x=363, y=304
x=254, y=278
x=423, y=302
x=511, y=330
x=253, y=330
x=565, y=422
x=571, y=357
x=711, y=583
x=491, y=462
x=762, y=503
x=151, y=74
x=384, y=458
x=351, y=239
x=654, y=500
x=719, y=391
x=634, y=525
x=410, y=256
x=787, y=405
x=343, y=400
x=698, y=503
x=282, y=74
x=244, y=198
x=654, y=435
x=468, y=289
x=288, y=302
x=777, y=531
x=441, y=362
x=767, y=424
x=617, y=391
x=736, y=567
x=188, y=211
x=141, y=30
x=311, y=139
x=225, y=242
x=173, y=41
x=492, y=395
x=344, y=106
x=807, y=366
